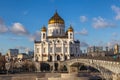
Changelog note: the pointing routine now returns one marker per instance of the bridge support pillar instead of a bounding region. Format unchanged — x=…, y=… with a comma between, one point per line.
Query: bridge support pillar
x=116, y=76
x=74, y=69
x=68, y=69
x=59, y=66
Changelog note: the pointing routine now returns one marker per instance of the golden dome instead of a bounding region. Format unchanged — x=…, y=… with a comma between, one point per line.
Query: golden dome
x=70, y=29
x=43, y=29
x=56, y=19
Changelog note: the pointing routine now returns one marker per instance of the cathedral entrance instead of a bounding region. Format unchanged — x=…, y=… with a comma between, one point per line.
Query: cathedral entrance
x=50, y=58
x=56, y=66
x=65, y=57
x=58, y=57
x=45, y=67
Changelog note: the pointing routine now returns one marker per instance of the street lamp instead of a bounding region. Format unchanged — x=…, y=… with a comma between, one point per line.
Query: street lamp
x=7, y=66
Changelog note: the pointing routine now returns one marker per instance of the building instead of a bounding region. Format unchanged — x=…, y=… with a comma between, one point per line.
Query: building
x=98, y=51
x=30, y=53
x=12, y=53
x=22, y=56
x=56, y=44
x=94, y=49
x=116, y=49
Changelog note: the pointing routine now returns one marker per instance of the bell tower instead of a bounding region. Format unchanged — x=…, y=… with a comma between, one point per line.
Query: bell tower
x=43, y=33
x=70, y=33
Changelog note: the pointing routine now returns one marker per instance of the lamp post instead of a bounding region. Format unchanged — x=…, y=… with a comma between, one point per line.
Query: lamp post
x=7, y=66
x=53, y=63
x=37, y=65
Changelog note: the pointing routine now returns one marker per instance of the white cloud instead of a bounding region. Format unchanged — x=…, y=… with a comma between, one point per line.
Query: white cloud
x=3, y=27
x=82, y=32
x=22, y=49
x=35, y=36
x=102, y=23
x=84, y=44
x=83, y=18
x=112, y=43
x=117, y=11
x=18, y=29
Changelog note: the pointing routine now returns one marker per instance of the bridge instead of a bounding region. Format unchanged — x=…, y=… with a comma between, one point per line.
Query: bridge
x=109, y=69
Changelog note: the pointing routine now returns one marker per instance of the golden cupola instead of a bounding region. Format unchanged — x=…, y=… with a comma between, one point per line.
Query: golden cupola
x=56, y=19
x=70, y=29
x=43, y=29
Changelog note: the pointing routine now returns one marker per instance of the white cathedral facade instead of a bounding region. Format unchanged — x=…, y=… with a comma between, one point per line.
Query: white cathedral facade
x=56, y=44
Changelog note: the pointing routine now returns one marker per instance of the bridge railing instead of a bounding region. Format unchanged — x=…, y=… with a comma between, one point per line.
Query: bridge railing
x=106, y=58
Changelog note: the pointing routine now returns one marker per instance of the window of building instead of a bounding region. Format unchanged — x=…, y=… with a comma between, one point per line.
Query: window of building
x=56, y=31
x=37, y=50
x=44, y=50
x=58, y=49
x=70, y=35
x=58, y=41
x=58, y=57
x=43, y=35
x=76, y=50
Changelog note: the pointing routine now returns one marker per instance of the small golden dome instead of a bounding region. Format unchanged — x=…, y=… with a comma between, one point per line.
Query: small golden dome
x=43, y=29
x=56, y=19
x=70, y=29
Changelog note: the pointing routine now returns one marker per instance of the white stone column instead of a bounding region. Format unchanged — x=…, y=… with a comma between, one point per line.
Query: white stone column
x=68, y=50
x=53, y=56
x=63, y=51
x=41, y=52
x=47, y=49
x=53, y=52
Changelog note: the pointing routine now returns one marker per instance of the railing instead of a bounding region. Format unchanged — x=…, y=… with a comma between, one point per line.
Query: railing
x=106, y=58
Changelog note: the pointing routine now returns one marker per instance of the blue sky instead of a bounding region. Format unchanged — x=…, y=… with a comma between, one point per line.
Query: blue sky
x=95, y=22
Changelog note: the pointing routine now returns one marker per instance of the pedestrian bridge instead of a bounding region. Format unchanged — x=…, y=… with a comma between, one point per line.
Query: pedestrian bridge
x=109, y=69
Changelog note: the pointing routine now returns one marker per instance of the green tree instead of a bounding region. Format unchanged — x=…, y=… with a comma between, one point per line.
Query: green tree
x=2, y=63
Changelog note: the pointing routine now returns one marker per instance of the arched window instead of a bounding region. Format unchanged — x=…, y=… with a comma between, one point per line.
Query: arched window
x=43, y=35
x=56, y=31
x=70, y=35
x=65, y=57
x=58, y=41
x=76, y=50
x=58, y=57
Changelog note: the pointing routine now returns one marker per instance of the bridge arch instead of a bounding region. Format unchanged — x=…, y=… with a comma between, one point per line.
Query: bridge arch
x=106, y=73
